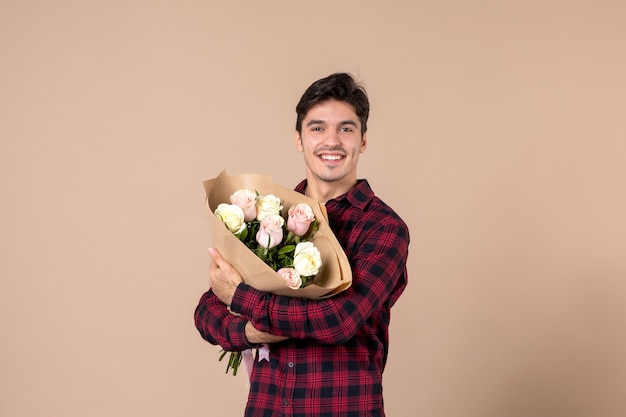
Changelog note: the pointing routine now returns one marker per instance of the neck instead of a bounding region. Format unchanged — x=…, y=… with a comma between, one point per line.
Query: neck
x=327, y=191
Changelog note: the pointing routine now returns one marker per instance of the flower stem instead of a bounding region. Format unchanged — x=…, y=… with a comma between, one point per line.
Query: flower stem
x=233, y=361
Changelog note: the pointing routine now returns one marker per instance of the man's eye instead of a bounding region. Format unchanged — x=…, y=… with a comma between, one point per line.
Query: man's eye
x=316, y=129
x=346, y=129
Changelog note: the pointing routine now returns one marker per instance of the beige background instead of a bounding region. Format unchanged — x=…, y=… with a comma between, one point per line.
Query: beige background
x=497, y=131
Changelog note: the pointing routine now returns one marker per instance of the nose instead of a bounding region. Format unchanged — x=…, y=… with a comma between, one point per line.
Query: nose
x=332, y=138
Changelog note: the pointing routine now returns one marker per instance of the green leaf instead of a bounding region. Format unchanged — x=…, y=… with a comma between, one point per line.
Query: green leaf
x=286, y=249
x=243, y=235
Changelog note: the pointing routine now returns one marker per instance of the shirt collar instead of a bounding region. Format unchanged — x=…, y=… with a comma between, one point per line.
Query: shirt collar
x=359, y=196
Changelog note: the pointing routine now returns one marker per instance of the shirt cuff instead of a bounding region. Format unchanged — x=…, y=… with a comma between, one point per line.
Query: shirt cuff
x=244, y=300
x=237, y=334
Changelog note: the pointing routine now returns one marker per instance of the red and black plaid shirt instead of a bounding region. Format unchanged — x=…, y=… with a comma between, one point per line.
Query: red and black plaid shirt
x=332, y=364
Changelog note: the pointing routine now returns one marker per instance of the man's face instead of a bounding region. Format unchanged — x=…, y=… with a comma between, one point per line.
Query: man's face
x=331, y=142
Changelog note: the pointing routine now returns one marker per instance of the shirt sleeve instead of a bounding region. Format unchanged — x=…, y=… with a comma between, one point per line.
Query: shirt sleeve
x=218, y=326
x=379, y=275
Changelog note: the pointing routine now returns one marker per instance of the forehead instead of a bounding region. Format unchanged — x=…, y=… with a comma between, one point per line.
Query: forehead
x=331, y=111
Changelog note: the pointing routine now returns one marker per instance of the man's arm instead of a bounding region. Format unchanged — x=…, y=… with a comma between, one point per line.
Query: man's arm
x=223, y=278
x=379, y=275
x=255, y=336
x=213, y=319
x=219, y=326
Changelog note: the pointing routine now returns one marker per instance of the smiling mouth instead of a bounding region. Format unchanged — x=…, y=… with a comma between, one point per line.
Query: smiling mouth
x=331, y=158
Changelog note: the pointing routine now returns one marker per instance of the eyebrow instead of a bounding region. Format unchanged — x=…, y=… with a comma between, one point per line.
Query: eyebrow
x=342, y=123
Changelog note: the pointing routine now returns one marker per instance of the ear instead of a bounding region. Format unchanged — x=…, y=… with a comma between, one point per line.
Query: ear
x=363, y=143
x=299, y=142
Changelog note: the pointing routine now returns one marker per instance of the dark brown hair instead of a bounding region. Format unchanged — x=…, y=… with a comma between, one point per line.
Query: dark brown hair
x=341, y=87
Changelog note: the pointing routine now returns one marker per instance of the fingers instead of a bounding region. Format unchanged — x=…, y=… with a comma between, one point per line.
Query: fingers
x=216, y=256
x=214, y=253
x=218, y=267
x=213, y=266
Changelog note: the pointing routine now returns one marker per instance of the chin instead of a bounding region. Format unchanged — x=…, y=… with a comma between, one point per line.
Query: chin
x=331, y=178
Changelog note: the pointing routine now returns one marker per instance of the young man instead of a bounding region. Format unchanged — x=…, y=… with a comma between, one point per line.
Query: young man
x=326, y=356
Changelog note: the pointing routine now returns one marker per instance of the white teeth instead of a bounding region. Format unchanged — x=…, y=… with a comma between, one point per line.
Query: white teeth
x=331, y=157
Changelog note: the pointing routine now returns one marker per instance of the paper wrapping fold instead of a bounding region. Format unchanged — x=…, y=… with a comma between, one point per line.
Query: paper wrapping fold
x=334, y=276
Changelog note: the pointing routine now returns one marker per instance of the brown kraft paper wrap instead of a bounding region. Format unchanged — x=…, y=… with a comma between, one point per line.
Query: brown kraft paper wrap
x=335, y=274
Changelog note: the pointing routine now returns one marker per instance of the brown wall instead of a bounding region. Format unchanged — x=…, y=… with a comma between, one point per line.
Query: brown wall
x=497, y=131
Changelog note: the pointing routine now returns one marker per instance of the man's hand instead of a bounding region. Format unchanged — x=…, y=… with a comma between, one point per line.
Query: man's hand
x=223, y=278
x=255, y=336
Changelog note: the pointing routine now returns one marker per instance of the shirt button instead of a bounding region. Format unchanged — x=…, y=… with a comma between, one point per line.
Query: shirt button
x=291, y=364
x=286, y=402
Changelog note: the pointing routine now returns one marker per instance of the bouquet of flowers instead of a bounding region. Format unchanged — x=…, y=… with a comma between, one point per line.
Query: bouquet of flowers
x=278, y=239
x=283, y=245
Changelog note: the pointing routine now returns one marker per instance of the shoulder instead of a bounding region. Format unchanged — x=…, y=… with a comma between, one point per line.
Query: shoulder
x=375, y=211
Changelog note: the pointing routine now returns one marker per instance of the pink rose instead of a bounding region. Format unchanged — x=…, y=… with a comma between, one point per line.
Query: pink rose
x=270, y=231
x=292, y=278
x=245, y=199
x=300, y=218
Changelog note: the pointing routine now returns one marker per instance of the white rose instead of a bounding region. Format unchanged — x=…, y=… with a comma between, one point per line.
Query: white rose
x=292, y=278
x=307, y=259
x=267, y=205
x=232, y=216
